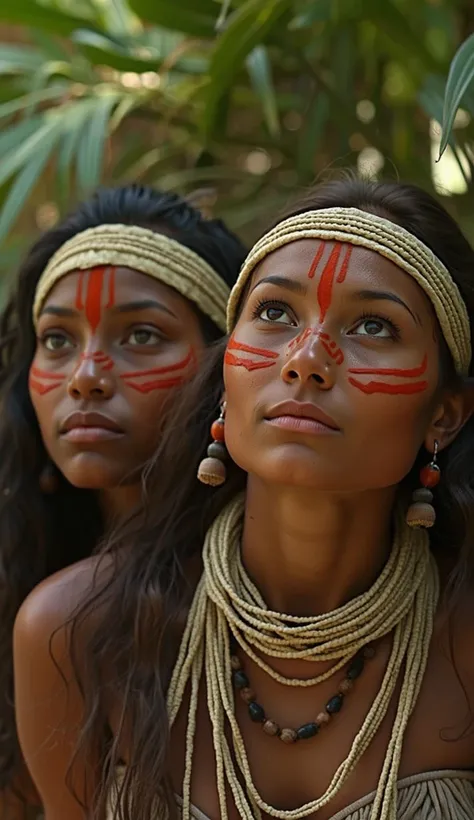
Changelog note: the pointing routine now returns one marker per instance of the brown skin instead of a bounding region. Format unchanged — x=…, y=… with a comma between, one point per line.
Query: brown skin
x=149, y=326
x=316, y=533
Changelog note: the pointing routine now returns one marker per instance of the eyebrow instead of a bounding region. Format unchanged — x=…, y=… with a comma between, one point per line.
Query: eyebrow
x=283, y=282
x=382, y=295
x=127, y=307
x=55, y=310
x=144, y=304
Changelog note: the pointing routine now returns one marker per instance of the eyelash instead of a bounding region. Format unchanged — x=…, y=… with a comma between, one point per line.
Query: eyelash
x=377, y=317
x=268, y=303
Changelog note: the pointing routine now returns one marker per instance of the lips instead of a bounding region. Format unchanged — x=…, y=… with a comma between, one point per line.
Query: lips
x=89, y=420
x=301, y=411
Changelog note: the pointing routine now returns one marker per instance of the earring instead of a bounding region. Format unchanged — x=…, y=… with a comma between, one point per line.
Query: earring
x=421, y=512
x=48, y=480
x=212, y=469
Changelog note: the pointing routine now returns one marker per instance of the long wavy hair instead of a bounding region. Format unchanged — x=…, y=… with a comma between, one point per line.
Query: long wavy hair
x=139, y=612
x=38, y=533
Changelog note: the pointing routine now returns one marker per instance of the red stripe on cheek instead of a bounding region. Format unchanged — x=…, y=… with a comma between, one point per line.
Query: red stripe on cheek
x=156, y=384
x=326, y=282
x=41, y=387
x=249, y=364
x=389, y=389
x=317, y=259
x=393, y=371
x=130, y=377
x=45, y=374
x=94, y=297
x=260, y=351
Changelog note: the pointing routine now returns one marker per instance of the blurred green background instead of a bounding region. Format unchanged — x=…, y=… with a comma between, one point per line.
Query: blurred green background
x=239, y=104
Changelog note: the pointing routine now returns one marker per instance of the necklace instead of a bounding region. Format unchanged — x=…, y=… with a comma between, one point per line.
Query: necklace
x=307, y=730
x=402, y=601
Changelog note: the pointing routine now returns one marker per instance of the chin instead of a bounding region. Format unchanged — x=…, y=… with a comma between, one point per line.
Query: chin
x=90, y=472
x=298, y=467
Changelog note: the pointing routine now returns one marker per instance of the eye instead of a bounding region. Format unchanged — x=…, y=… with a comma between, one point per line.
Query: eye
x=376, y=327
x=55, y=342
x=273, y=312
x=141, y=336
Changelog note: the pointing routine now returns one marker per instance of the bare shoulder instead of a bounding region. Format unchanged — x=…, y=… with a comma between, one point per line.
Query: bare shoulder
x=48, y=697
x=55, y=600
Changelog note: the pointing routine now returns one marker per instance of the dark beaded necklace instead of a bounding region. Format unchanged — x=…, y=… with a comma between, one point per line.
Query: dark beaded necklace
x=333, y=706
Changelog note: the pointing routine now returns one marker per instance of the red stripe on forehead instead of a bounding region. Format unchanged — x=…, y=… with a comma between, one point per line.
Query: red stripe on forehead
x=93, y=305
x=316, y=260
x=345, y=265
x=111, y=301
x=327, y=280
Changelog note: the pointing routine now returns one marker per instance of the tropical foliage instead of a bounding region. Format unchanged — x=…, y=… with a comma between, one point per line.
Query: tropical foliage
x=245, y=100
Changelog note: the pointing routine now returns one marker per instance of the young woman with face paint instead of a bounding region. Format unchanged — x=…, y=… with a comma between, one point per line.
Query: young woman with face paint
x=112, y=311
x=288, y=644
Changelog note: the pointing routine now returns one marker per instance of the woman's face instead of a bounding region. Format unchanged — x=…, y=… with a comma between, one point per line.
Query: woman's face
x=332, y=371
x=112, y=346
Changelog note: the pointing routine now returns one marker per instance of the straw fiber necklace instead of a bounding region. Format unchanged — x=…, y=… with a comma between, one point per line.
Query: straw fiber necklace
x=227, y=607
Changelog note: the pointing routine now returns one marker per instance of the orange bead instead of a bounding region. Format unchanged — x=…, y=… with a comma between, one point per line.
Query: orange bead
x=430, y=475
x=218, y=431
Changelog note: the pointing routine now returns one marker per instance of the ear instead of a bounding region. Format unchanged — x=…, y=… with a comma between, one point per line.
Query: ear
x=451, y=414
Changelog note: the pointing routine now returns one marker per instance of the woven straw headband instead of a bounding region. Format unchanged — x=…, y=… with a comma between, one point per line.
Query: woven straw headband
x=386, y=238
x=143, y=250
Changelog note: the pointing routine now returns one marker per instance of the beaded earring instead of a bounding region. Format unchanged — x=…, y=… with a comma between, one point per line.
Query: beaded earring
x=48, y=480
x=212, y=469
x=421, y=512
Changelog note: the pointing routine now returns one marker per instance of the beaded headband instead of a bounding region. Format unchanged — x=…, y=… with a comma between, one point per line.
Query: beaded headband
x=143, y=250
x=386, y=238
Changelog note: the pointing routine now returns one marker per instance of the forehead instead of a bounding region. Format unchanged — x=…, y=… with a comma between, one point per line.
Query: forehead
x=367, y=270
x=129, y=285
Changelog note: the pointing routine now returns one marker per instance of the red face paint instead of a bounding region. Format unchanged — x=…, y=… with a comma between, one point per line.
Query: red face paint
x=43, y=381
x=404, y=388
x=248, y=363
x=328, y=344
x=331, y=348
x=325, y=289
x=391, y=389
x=99, y=357
x=160, y=383
x=92, y=304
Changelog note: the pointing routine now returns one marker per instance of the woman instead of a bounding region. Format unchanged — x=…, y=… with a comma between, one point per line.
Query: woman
x=112, y=311
x=325, y=666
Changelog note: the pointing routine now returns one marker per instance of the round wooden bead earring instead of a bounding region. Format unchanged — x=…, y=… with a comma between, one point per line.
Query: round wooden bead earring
x=212, y=469
x=421, y=512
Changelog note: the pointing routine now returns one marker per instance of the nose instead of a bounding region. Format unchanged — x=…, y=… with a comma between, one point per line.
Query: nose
x=310, y=362
x=90, y=380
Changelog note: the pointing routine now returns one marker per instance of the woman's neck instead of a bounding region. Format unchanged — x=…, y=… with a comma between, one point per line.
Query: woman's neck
x=309, y=553
x=118, y=503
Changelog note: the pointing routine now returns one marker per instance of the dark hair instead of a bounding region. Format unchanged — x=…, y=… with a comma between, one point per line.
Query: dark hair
x=138, y=614
x=39, y=534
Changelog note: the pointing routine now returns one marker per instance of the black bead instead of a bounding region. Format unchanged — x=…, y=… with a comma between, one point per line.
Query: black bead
x=241, y=680
x=335, y=704
x=256, y=712
x=307, y=731
x=217, y=450
x=356, y=667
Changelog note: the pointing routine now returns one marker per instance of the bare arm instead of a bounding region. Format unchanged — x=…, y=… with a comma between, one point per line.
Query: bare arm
x=48, y=701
